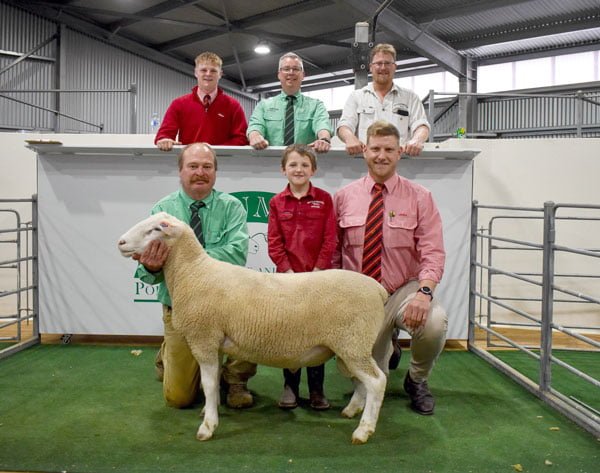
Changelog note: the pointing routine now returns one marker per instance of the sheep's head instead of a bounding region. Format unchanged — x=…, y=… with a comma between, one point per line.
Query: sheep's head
x=158, y=226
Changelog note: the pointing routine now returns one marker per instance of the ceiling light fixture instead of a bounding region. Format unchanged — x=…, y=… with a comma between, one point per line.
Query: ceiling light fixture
x=262, y=47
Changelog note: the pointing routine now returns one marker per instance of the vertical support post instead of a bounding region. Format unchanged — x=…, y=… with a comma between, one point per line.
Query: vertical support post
x=467, y=104
x=472, y=274
x=133, y=108
x=360, y=54
x=58, y=77
x=547, y=296
x=579, y=112
x=34, y=266
x=490, y=273
x=19, y=266
x=430, y=113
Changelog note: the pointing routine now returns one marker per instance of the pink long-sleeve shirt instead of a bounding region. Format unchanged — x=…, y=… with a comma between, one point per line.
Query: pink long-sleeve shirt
x=413, y=242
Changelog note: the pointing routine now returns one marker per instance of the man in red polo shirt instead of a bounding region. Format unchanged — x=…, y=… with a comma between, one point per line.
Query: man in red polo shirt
x=206, y=115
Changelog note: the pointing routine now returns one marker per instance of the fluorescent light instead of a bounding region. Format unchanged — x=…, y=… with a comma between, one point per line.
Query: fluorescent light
x=262, y=48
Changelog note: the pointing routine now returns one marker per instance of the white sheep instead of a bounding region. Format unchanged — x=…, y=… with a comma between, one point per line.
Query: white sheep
x=281, y=320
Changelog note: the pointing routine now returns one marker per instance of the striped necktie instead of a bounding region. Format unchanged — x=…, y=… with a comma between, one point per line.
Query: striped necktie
x=195, y=221
x=371, y=263
x=288, y=132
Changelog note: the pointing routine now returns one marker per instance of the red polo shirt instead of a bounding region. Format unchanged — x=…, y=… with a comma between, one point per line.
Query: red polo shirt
x=302, y=232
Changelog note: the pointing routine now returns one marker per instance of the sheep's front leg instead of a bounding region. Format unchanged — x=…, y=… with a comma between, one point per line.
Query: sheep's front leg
x=209, y=375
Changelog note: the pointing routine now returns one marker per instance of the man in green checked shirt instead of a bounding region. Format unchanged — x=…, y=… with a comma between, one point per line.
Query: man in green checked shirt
x=225, y=235
x=305, y=117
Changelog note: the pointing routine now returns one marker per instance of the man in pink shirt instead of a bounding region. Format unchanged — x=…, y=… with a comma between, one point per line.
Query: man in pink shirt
x=206, y=115
x=411, y=254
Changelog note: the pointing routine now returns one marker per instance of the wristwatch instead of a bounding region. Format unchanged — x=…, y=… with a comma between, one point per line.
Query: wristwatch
x=325, y=139
x=427, y=291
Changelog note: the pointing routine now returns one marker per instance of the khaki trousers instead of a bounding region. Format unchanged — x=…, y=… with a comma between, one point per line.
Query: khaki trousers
x=181, y=379
x=427, y=342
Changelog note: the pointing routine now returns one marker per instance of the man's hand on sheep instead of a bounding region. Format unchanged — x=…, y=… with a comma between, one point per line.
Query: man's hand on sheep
x=154, y=256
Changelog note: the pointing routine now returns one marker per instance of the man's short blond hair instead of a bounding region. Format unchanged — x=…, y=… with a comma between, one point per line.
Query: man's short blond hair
x=384, y=48
x=382, y=128
x=209, y=58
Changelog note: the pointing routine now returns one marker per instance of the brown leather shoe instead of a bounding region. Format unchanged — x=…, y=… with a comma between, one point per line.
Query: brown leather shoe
x=238, y=397
x=288, y=399
x=421, y=399
x=318, y=401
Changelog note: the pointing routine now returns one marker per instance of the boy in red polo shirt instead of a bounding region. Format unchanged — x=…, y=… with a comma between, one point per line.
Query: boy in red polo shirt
x=302, y=237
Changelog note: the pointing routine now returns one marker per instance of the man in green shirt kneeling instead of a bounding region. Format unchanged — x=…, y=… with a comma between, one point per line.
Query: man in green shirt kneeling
x=219, y=221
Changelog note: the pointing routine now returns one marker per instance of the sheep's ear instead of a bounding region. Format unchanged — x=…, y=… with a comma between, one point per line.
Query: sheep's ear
x=166, y=227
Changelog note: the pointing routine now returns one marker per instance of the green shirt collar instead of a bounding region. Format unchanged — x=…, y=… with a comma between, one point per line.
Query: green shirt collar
x=208, y=200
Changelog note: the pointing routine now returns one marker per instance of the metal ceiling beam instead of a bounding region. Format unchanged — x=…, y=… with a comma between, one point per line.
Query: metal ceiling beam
x=135, y=47
x=416, y=37
x=501, y=58
x=545, y=27
x=465, y=9
x=296, y=45
x=246, y=23
x=320, y=40
x=98, y=32
x=346, y=78
x=152, y=11
x=256, y=83
x=86, y=11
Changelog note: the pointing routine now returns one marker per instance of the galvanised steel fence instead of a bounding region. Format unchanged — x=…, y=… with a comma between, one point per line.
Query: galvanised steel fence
x=537, y=314
x=19, y=322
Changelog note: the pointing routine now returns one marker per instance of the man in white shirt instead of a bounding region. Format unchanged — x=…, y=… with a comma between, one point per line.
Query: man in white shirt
x=383, y=100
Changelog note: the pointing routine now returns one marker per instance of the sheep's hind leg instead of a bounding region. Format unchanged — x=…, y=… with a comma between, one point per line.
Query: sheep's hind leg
x=373, y=381
x=209, y=375
x=357, y=402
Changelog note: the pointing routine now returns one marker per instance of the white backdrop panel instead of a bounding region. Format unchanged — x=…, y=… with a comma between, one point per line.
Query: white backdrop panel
x=88, y=198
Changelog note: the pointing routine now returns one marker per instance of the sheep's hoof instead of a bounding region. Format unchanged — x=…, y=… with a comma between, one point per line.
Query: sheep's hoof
x=204, y=433
x=361, y=435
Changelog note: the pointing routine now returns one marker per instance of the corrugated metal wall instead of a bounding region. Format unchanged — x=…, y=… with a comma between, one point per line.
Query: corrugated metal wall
x=529, y=117
x=88, y=64
x=29, y=74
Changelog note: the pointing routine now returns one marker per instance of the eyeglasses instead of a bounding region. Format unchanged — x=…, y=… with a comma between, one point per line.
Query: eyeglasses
x=382, y=63
x=291, y=69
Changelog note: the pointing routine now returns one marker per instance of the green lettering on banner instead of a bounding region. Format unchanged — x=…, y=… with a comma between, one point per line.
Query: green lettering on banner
x=256, y=204
x=145, y=292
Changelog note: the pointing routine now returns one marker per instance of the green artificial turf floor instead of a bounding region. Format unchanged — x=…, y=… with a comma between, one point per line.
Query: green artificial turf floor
x=562, y=380
x=98, y=409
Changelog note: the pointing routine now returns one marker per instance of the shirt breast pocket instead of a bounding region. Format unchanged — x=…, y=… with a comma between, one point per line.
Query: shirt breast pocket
x=274, y=115
x=366, y=116
x=315, y=213
x=401, y=232
x=400, y=119
x=354, y=230
x=286, y=220
x=303, y=122
x=212, y=237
